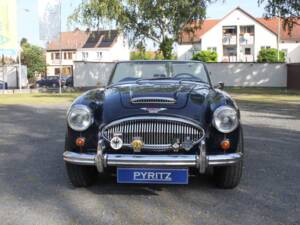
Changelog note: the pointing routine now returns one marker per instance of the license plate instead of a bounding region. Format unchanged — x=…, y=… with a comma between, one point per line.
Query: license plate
x=152, y=176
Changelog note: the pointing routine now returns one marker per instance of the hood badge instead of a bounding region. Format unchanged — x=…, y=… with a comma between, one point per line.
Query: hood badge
x=153, y=110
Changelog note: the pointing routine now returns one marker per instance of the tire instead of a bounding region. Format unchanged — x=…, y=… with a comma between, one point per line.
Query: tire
x=228, y=177
x=79, y=175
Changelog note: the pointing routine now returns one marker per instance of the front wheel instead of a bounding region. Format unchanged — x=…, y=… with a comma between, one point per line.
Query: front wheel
x=228, y=177
x=81, y=176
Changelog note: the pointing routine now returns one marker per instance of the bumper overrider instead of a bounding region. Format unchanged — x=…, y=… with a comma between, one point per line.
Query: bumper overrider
x=200, y=161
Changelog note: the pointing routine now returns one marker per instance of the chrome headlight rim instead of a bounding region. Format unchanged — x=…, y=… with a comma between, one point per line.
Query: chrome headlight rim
x=84, y=109
x=217, y=112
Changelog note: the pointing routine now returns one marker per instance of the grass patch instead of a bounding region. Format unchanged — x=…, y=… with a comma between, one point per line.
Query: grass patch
x=38, y=98
x=265, y=95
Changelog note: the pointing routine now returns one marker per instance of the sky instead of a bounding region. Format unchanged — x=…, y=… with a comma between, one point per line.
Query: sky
x=28, y=24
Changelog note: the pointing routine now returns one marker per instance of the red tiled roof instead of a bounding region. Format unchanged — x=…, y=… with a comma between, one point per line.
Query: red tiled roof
x=272, y=24
x=69, y=40
x=189, y=37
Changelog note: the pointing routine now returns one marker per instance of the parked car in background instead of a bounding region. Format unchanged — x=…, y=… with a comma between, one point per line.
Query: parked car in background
x=3, y=85
x=156, y=122
x=69, y=81
x=50, y=82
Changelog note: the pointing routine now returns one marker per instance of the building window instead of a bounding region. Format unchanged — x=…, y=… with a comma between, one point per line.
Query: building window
x=85, y=55
x=52, y=56
x=70, y=56
x=212, y=49
x=265, y=47
x=65, y=55
x=99, y=55
x=247, y=51
x=247, y=29
x=57, y=55
x=56, y=71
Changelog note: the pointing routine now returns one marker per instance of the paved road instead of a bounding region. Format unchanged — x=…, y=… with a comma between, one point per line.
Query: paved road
x=34, y=188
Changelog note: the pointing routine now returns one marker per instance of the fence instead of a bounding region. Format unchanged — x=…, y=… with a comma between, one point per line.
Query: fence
x=90, y=74
x=249, y=74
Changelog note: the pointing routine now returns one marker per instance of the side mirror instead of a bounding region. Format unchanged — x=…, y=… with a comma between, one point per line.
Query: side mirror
x=220, y=85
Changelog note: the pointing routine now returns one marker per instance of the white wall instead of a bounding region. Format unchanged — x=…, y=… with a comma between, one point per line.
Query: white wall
x=293, y=49
x=9, y=74
x=249, y=74
x=185, y=51
x=92, y=74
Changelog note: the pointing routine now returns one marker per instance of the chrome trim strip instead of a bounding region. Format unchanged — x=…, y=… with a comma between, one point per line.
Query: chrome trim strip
x=79, y=158
x=151, y=160
x=153, y=100
x=225, y=159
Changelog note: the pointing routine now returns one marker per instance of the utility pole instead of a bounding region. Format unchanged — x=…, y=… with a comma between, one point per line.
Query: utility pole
x=60, y=47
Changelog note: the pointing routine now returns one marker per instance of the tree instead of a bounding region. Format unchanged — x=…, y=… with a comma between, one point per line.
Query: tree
x=287, y=10
x=270, y=55
x=161, y=21
x=206, y=56
x=33, y=57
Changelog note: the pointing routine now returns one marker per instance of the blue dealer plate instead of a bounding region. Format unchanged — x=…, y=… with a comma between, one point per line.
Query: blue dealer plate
x=152, y=176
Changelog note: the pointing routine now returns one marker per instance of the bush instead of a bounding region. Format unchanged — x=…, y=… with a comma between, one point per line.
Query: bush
x=147, y=55
x=270, y=55
x=206, y=56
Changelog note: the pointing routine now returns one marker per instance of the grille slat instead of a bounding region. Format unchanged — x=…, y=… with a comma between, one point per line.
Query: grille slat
x=153, y=100
x=156, y=133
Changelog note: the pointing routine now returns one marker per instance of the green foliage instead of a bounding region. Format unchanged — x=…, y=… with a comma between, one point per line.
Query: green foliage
x=33, y=57
x=288, y=11
x=270, y=55
x=206, y=56
x=146, y=55
x=161, y=21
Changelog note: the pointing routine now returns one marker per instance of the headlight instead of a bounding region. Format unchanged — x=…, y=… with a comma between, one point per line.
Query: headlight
x=225, y=119
x=80, y=117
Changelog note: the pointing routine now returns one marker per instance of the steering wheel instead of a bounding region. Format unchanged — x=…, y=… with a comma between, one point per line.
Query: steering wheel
x=185, y=75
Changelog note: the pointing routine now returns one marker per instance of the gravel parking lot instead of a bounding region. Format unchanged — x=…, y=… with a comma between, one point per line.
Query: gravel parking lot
x=34, y=188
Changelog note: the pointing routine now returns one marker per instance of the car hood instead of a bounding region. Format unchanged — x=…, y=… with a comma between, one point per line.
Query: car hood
x=190, y=100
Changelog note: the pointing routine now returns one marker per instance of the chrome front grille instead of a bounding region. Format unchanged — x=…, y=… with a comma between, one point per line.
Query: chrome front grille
x=155, y=132
x=153, y=100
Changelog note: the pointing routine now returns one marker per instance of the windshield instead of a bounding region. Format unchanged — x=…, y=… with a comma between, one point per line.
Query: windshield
x=149, y=70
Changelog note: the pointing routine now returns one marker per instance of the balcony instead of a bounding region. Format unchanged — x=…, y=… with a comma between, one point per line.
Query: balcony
x=229, y=40
x=246, y=39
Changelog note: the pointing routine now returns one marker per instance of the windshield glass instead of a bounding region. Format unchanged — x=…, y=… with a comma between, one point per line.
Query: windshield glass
x=149, y=70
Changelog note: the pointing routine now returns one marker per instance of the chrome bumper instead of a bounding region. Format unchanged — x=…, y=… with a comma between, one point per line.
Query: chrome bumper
x=201, y=161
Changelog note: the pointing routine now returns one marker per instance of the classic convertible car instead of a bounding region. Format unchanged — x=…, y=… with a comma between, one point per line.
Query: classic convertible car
x=155, y=122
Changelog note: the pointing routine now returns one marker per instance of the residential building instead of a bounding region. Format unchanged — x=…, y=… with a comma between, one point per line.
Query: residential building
x=104, y=46
x=67, y=47
x=238, y=37
x=89, y=46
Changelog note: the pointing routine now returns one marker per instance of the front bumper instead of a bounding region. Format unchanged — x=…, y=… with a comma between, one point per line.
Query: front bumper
x=201, y=161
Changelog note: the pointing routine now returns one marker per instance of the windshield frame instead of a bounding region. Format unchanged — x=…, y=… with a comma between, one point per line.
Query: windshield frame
x=159, y=61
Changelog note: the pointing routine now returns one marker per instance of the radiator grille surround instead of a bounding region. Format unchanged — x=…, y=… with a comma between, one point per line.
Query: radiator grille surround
x=157, y=133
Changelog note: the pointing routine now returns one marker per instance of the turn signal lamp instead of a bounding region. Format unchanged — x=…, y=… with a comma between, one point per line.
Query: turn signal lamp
x=225, y=144
x=80, y=141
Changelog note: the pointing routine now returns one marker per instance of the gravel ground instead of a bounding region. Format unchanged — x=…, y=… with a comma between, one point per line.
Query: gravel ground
x=34, y=188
